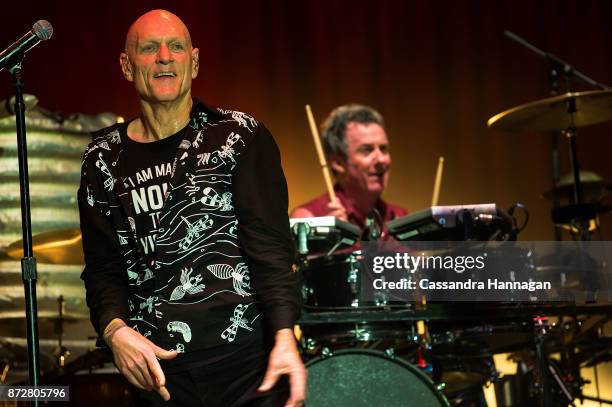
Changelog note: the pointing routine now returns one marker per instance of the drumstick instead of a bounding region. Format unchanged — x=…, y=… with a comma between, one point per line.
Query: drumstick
x=438, y=182
x=322, y=160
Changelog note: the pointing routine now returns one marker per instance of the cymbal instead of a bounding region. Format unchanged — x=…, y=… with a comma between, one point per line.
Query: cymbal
x=17, y=356
x=74, y=326
x=551, y=114
x=56, y=247
x=593, y=187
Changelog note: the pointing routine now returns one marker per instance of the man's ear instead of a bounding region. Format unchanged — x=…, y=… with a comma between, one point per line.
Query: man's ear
x=126, y=67
x=337, y=164
x=195, y=62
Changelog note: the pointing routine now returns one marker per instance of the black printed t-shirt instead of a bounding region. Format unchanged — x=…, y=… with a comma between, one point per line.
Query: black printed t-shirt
x=145, y=172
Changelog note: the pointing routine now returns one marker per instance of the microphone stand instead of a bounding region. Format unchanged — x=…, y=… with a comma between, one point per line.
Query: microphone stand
x=28, y=262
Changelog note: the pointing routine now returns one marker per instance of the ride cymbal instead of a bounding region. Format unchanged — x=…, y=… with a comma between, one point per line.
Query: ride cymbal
x=570, y=110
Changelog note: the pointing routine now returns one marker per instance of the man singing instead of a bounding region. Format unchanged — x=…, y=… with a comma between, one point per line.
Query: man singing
x=186, y=238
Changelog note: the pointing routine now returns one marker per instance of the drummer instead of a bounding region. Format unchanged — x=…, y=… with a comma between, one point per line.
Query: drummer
x=357, y=150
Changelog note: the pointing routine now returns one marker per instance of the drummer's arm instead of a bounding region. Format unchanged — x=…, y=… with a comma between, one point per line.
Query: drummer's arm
x=334, y=208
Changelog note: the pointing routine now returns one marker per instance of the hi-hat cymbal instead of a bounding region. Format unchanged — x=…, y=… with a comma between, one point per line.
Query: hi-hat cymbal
x=57, y=247
x=553, y=113
x=593, y=185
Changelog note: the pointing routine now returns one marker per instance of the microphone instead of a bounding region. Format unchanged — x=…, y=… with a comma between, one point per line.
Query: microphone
x=41, y=30
x=302, y=242
x=372, y=230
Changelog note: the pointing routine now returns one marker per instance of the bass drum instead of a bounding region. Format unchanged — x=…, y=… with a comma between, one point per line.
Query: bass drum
x=360, y=377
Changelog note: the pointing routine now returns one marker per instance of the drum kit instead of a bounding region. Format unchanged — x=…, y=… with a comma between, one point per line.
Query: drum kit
x=365, y=353
x=358, y=352
x=67, y=339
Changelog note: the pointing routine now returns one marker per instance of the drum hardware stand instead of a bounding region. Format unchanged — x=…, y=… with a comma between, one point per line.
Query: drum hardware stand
x=546, y=370
x=28, y=262
x=596, y=399
x=61, y=352
x=553, y=75
x=555, y=374
x=558, y=65
x=334, y=248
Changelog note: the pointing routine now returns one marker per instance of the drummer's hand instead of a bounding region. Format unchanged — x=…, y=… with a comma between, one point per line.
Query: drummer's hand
x=285, y=360
x=136, y=357
x=335, y=208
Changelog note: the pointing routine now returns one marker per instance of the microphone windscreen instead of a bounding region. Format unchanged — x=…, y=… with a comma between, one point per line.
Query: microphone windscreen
x=42, y=29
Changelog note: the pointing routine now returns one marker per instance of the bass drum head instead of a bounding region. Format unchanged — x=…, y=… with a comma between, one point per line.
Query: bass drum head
x=356, y=378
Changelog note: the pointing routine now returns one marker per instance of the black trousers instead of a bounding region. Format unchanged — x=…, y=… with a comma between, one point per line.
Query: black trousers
x=225, y=384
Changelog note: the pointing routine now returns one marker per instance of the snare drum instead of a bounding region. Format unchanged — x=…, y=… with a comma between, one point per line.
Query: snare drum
x=359, y=377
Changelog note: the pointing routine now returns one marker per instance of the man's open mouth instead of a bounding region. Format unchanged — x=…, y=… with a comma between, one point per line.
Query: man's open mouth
x=164, y=74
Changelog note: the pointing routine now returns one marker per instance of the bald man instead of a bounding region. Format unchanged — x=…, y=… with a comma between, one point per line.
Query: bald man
x=186, y=238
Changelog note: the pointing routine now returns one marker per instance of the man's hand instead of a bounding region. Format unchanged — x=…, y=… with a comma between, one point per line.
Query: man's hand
x=335, y=208
x=285, y=360
x=136, y=357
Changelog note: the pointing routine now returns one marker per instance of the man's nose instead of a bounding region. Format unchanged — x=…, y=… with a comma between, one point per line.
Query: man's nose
x=164, y=56
x=381, y=158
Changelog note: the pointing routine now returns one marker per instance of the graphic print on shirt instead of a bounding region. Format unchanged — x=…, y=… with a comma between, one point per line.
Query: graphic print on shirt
x=194, y=231
x=140, y=307
x=189, y=285
x=237, y=321
x=240, y=276
x=243, y=119
x=207, y=197
x=147, y=195
x=109, y=182
x=180, y=327
x=224, y=155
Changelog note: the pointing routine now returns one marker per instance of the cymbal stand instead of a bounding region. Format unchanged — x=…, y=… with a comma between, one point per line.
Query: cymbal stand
x=546, y=371
x=553, y=76
x=558, y=65
x=570, y=133
x=61, y=352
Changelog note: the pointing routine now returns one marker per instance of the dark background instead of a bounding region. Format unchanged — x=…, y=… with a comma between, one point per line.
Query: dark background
x=437, y=70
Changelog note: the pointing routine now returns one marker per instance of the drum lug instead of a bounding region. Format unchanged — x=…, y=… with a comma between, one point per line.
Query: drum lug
x=352, y=276
x=310, y=344
x=381, y=299
x=362, y=334
x=326, y=352
x=390, y=352
x=440, y=386
x=306, y=291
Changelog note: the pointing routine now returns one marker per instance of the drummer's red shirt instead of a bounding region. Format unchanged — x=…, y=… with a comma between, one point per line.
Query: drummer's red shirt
x=388, y=211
